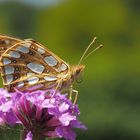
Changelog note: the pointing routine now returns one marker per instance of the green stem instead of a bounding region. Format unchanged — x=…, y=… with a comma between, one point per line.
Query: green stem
x=23, y=134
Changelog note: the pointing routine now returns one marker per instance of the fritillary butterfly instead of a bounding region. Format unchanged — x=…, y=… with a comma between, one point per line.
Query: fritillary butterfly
x=26, y=63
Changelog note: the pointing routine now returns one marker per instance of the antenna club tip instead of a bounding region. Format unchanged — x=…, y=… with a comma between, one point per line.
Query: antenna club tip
x=100, y=46
x=94, y=38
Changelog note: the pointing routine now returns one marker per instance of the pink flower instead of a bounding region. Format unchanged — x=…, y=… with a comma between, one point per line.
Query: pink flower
x=41, y=113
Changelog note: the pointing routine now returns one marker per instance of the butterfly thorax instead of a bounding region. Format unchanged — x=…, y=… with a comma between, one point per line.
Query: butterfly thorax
x=74, y=73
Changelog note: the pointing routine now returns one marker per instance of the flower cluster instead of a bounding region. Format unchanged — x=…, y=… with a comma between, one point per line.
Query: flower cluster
x=42, y=113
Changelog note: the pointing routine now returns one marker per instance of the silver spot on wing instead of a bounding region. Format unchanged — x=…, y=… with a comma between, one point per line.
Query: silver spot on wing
x=50, y=78
x=6, y=61
x=23, y=49
x=14, y=54
x=63, y=67
x=9, y=79
x=50, y=60
x=33, y=80
x=20, y=84
x=41, y=50
x=28, y=45
x=35, y=67
x=9, y=69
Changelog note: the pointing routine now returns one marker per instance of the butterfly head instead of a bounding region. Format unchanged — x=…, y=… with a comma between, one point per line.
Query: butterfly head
x=77, y=71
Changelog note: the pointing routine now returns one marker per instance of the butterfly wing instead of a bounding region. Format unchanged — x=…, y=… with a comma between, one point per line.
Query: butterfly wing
x=27, y=64
x=6, y=42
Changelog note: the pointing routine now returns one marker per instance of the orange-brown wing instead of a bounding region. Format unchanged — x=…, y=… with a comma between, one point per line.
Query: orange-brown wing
x=27, y=64
x=6, y=42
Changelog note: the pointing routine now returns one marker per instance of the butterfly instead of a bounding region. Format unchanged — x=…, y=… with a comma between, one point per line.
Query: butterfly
x=26, y=64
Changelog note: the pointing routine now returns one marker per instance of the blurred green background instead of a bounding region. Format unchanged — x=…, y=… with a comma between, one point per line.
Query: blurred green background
x=109, y=98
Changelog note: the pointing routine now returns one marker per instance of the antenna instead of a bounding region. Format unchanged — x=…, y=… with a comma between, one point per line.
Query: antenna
x=99, y=47
x=86, y=50
x=84, y=56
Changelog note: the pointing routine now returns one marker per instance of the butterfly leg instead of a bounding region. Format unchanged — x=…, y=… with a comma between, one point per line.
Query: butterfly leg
x=76, y=96
x=71, y=93
x=55, y=90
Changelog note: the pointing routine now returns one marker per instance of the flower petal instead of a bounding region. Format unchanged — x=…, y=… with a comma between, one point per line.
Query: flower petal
x=65, y=132
x=77, y=124
x=29, y=136
x=66, y=118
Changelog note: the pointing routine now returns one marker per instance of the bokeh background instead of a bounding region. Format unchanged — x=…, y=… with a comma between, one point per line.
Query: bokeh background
x=109, y=96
